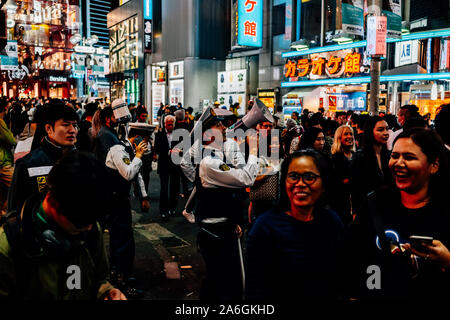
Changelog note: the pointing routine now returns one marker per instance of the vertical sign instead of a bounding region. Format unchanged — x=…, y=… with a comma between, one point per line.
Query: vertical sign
x=250, y=23
x=148, y=16
x=376, y=35
x=393, y=10
x=353, y=17
x=429, y=44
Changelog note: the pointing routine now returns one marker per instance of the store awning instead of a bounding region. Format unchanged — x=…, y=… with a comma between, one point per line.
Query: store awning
x=408, y=69
x=300, y=92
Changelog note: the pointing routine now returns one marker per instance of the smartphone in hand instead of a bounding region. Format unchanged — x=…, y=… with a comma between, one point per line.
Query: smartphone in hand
x=418, y=242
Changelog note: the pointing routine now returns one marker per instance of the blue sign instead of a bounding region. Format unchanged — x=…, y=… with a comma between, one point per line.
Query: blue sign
x=148, y=9
x=250, y=23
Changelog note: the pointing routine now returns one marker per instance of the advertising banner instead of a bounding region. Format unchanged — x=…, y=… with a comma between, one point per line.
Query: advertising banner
x=176, y=91
x=228, y=99
x=376, y=35
x=9, y=60
x=158, y=97
x=392, y=9
x=176, y=70
x=353, y=17
x=250, y=23
x=232, y=81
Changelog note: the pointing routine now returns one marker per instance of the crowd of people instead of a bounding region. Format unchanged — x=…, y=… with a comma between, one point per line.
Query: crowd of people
x=318, y=199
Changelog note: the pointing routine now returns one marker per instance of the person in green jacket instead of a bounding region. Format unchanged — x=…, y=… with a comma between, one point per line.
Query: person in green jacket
x=7, y=141
x=55, y=250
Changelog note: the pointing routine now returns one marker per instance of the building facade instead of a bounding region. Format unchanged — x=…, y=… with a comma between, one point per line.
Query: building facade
x=37, y=58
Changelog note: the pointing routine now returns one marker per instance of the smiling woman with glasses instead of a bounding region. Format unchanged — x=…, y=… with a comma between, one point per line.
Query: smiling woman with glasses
x=292, y=250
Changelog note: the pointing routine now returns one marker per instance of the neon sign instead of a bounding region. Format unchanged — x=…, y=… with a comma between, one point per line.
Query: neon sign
x=332, y=66
x=250, y=20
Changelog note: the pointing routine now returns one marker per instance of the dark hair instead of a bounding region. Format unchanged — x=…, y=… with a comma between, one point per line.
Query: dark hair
x=442, y=123
x=190, y=110
x=315, y=119
x=321, y=164
x=279, y=108
x=410, y=111
x=414, y=122
x=433, y=147
x=309, y=137
x=141, y=111
x=78, y=183
x=90, y=109
x=368, y=138
x=56, y=110
x=105, y=113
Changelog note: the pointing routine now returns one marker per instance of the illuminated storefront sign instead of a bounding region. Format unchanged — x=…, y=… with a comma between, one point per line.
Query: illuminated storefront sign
x=57, y=79
x=334, y=65
x=148, y=16
x=250, y=23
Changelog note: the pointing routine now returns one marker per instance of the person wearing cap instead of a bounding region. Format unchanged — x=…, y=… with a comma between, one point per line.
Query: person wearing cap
x=31, y=172
x=123, y=165
x=142, y=132
x=216, y=104
x=218, y=212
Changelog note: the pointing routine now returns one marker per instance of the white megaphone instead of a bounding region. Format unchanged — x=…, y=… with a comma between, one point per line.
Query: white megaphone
x=259, y=113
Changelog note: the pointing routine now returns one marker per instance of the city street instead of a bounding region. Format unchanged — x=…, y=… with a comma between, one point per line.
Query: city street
x=167, y=265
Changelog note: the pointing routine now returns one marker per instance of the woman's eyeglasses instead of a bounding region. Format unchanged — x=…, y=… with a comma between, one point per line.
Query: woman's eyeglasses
x=307, y=177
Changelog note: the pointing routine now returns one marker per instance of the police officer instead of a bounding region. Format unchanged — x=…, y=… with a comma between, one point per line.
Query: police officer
x=218, y=213
x=123, y=166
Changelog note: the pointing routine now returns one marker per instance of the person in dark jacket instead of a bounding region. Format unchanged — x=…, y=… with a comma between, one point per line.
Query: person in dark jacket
x=416, y=204
x=57, y=250
x=31, y=171
x=166, y=168
x=84, y=138
x=369, y=168
x=342, y=152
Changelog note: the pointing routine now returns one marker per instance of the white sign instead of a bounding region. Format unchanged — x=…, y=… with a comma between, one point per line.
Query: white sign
x=176, y=91
x=232, y=81
x=176, y=70
x=84, y=49
x=228, y=99
x=376, y=35
x=158, y=97
x=57, y=79
x=406, y=52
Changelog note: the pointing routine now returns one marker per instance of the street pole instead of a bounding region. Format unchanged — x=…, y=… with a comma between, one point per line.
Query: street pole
x=374, y=8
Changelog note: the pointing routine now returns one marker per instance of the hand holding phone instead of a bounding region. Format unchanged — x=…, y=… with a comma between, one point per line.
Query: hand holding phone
x=419, y=242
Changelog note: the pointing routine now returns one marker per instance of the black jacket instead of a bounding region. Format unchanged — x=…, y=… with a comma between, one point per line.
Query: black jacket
x=366, y=176
x=31, y=173
x=162, y=148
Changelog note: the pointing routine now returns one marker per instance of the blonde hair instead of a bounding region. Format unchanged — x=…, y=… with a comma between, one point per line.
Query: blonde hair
x=337, y=146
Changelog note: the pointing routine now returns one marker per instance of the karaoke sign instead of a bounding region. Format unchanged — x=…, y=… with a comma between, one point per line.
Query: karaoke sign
x=250, y=23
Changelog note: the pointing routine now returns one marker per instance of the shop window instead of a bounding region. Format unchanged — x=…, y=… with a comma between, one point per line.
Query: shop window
x=279, y=19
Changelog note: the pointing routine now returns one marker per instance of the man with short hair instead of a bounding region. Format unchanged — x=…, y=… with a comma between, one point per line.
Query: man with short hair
x=56, y=252
x=31, y=172
x=406, y=112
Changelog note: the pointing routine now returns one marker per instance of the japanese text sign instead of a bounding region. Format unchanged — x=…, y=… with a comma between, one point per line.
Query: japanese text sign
x=350, y=64
x=376, y=35
x=250, y=22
